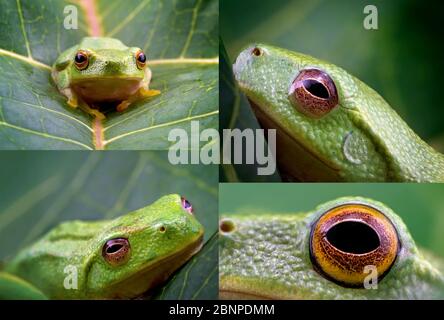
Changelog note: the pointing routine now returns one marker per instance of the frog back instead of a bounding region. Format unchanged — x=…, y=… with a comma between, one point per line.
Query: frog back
x=48, y=262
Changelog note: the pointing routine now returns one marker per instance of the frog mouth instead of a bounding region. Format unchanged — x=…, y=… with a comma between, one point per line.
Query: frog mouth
x=296, y=161
x=154, y=274
x=106, y=89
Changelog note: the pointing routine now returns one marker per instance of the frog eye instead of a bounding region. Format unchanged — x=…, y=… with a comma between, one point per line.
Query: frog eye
x=140, y=59
x=349, y=240
x=313, y=93
x=186, y=205
x=81, y=60
x=116, y=251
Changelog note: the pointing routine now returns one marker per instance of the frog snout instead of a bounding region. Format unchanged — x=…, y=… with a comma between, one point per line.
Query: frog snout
x=112, y=66
x=243, y=61
x=237, y=68
x=111, y=63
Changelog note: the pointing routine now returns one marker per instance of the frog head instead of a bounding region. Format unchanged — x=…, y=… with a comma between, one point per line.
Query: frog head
x=347, y=248
x=103, y=70
x=319, y=110
x=141, y=249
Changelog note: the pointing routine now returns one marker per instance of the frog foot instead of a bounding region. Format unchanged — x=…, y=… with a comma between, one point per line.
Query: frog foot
x=72, y=102
x=99, y=116
x=93, y=112
x=148, y=92
x=123, y=105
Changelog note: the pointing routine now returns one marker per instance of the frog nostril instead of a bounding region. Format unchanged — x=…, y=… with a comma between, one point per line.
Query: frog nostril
x=256, y=52
x=227, y=226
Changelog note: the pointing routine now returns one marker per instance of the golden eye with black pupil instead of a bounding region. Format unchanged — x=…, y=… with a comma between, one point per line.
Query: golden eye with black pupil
x=116, y=251
x=313, y=93
x=140, y=59
x=81, y=60
x=347, y=238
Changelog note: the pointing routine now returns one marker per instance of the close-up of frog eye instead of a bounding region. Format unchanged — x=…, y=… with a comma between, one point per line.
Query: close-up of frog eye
x=348, y=241
x=313, y=93
x=116, y=251
x=140, y=59
x=186, y=205
x=81, y=60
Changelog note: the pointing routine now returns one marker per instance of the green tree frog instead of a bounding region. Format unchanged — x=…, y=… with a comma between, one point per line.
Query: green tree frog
x=330, y=125
x=120, y=258
x=100, y=70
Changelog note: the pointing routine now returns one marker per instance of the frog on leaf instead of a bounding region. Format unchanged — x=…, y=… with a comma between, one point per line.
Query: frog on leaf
x=106, y=259
x=102, y=70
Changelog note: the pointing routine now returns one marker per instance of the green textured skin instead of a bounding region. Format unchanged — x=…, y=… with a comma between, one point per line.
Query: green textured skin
x=79, y=244
x=361, y=139
x=267, y=256
x=110, y=59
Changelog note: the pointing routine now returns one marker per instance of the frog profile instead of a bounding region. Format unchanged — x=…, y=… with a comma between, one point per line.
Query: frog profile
x=102, y=70
x=106, y=259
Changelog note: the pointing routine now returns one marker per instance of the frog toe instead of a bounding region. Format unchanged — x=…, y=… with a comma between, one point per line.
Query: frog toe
x=148, y=92
x=72, y=102
x=123, y=106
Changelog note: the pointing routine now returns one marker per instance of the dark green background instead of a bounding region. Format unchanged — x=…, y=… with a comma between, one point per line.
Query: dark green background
x=421, y=206
x=402, y=60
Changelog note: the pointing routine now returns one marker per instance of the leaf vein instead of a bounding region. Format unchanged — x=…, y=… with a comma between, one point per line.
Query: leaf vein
x=22, y=26
x=166, y=124
x=5, y=124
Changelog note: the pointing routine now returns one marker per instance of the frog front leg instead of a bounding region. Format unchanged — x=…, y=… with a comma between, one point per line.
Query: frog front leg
x=143, y=92
x=74, y=101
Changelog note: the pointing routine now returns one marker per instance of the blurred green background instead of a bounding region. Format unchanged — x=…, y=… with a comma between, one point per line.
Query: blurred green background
x=402, y=60
x=421, y=206
x=39, y=189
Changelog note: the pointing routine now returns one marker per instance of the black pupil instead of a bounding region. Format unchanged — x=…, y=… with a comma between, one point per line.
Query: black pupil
x=80, y=58
x=141, y=57
x=353, y=237
x=114, y=248
x=316, y=88
x=186, y=204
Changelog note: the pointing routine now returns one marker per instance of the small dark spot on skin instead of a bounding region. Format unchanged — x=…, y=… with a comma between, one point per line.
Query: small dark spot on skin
x=256, y=52
x=227, y=226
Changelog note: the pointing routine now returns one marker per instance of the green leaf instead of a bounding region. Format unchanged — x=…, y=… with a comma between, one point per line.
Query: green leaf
x=199, y=279
x=237, y=114
x=180, y=38
x=14, y=288
x=46, y=188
